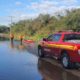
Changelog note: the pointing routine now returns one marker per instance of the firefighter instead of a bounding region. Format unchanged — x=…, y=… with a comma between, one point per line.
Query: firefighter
x=21, y=39
x=11, y=37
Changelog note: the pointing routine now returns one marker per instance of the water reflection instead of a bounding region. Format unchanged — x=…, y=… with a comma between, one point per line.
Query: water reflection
x=19, y=46
x=17, y=64
x=12, y=44
x=52, y=72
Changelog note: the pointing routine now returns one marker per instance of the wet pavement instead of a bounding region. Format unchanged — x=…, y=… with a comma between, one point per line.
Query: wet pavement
x=17, y=64
x=20, y=62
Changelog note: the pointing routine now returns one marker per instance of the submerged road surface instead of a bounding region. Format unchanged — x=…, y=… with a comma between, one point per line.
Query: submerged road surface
x=51, y=69
x=17, y=64
x=20, y=62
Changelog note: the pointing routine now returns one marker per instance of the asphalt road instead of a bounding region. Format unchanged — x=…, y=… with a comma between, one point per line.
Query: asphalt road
x=52, y=69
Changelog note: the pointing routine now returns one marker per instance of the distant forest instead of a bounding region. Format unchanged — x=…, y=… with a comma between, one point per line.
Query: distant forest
x=4, y=29
x=46, y=24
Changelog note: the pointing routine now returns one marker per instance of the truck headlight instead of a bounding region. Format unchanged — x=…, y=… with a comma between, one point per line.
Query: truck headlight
x=79, y=52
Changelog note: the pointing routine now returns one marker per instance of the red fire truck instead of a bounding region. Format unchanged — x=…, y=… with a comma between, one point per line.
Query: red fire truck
x=64, y=46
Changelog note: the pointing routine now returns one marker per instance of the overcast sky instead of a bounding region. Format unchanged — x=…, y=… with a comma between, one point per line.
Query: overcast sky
x=22, y=9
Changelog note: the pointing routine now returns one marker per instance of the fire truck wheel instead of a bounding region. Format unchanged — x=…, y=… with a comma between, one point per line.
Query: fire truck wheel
x=40, y=53
x=65, y=60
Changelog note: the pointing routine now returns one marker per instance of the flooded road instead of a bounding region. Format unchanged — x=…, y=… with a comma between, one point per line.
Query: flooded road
x=17, y=64
x=20, y=62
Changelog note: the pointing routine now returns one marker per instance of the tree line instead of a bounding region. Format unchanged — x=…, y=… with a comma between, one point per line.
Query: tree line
x=46, y=24
x=4, y=29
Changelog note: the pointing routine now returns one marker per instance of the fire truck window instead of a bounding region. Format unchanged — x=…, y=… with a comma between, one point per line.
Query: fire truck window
x=50, y=38
x=54, y=37
x=72, y=37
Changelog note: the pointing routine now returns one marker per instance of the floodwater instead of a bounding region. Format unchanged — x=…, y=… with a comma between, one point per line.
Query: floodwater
x=19, y=63
x=54, y=72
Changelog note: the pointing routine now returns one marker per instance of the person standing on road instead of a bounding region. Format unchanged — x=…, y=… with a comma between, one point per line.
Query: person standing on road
x=21, y=39
x=11, y=37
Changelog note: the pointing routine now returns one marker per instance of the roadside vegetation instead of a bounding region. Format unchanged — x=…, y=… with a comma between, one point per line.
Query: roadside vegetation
x=43, y=25
x=4, y=29
x=4, y=32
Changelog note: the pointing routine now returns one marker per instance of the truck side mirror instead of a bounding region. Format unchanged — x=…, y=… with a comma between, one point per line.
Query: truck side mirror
x=44, y=39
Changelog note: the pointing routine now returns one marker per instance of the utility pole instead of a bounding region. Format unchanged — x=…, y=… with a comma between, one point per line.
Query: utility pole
x=11, y=21
x=11, y=34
